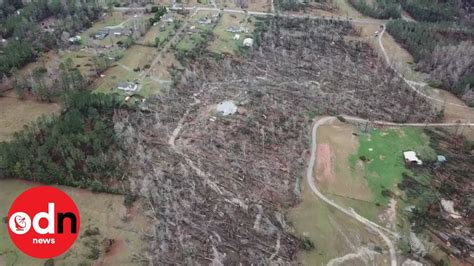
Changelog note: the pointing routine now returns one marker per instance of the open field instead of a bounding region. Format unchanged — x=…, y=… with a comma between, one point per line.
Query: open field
x=16, y=113
x=223, y=40
x=336, y=177
x=157, y=31
x=333, y=234
x=106, y=212
x=137, y=56
x=113, y=19
x=381, y=154
x=252, y=5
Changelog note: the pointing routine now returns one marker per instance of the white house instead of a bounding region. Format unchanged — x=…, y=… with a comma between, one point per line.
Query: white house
x=236, y=36
x=248, y=42
x=411, y=158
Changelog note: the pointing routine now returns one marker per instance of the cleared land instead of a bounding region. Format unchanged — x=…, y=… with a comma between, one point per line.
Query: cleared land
x=344, y=183
x=237, y=173
x=333, y=233
x=381, y=153
x=110, y=234
x=16, y=113
x=253, y=5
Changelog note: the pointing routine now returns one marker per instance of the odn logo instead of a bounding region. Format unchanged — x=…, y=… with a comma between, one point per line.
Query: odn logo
x=43, y=222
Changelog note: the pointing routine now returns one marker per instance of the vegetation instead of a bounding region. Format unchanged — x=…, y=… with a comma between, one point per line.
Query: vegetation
x=449, y=180
x=429, y=10
x=190, y=50
x=159, y=11
x=71, y=149
x=381, y=9
x=21, y=25
x=381, y=154
x=448, y=55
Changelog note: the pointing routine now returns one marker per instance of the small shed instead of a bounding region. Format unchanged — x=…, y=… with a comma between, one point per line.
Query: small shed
x=411, y=158
x=248, y=42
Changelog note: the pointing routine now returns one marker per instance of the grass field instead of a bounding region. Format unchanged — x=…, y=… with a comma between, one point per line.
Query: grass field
x=104, y=211
x=252, y=5
x=122, y=71
x=333, y=233
x=224, y=41
x=113, y=19
x=16, y=113
x=336, y=177
x=382, y=154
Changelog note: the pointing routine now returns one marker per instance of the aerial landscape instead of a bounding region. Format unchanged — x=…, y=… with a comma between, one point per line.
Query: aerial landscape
x=242, y=132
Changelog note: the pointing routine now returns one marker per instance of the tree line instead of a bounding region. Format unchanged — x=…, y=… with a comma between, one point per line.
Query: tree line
x=421, y=10
x=75, y=148
x=444, y=50
x=430, y=10
x=21, y=26
x=381, y=9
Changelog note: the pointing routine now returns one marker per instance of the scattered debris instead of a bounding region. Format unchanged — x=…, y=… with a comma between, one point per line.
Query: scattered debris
x=448, y=206
x=248, y=42
x=226, y=108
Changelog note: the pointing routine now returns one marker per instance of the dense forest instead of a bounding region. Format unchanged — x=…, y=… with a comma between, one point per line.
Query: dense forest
x=381, y=9
x=420, y=10
x=444, y=50
x=27, y=35
x=74, y=148
x=431, y=10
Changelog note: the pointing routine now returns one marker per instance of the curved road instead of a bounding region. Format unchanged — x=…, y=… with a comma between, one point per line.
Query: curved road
x=350, y=212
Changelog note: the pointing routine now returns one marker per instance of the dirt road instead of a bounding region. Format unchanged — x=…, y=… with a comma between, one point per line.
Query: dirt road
x=350, y=212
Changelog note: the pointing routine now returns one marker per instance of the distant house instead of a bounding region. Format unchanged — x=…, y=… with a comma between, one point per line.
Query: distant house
x=236, y=36
x=248, y=42
x=127, y=86
x=204, y=20
x=236, y=29
x=101, y=34
x=411, y=158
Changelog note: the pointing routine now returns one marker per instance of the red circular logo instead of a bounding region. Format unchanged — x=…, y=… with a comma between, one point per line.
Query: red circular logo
x=43, y=222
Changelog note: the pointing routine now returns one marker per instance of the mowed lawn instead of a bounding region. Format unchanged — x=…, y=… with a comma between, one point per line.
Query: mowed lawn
x=381, y=153
x=97, y=210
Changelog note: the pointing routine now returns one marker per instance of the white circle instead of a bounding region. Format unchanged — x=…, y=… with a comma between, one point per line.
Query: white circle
x=20, y=223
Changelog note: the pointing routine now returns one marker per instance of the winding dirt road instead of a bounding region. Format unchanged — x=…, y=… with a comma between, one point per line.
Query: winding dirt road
x=349, y=211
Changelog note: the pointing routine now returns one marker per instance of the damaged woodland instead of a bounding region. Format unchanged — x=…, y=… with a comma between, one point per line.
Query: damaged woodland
x=217, y=186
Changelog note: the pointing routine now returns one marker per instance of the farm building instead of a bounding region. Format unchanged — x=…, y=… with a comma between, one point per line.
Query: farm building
x=411, y=158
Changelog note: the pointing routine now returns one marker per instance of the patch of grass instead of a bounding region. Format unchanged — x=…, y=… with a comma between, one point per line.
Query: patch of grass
x=331, y=232
x=383, y=150
x=16, y=113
